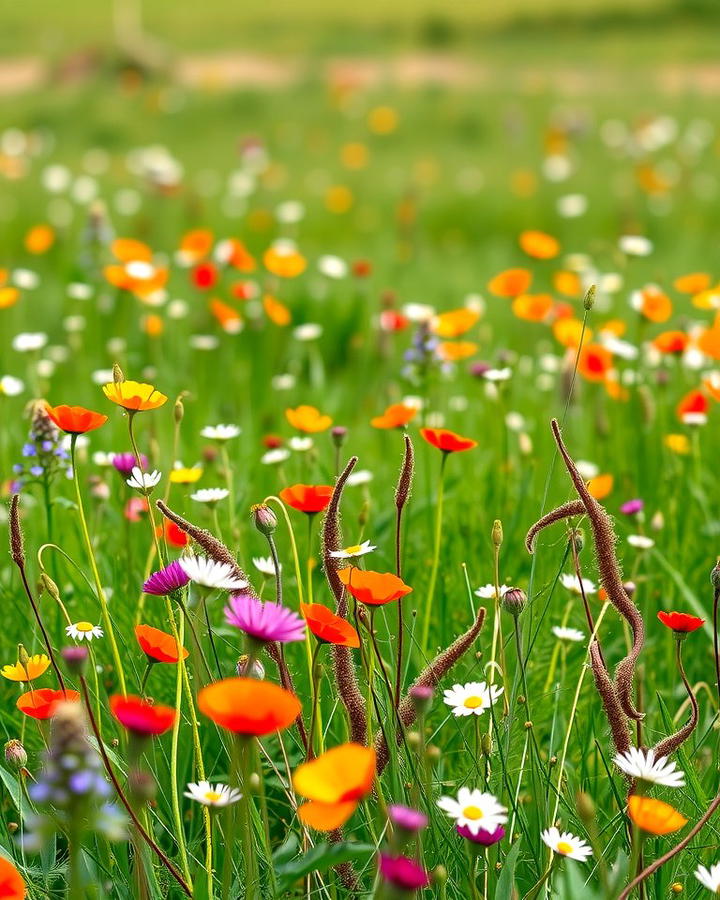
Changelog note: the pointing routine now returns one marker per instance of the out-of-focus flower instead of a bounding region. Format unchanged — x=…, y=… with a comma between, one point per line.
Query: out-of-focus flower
x=510, y=283
x=334, y=784
x=12, y=883
x=487, y=591
x=84, y=631
x=573, y=584
x=474, y=810
x=641, y=541
x=709, y=878
x=209, y=495
x=217, y=795
x=265, y=565
x=220, y=433
x=126, y=462
x=42, y=703
x=211, y=574
x=264, y=621
x=407, y=819
x=567, y=634
x=566, y=844
x=144, y=481
x=473, y=698
x=308, y=419
x=140, y=717
x=180, y=474
x=402, y=872
x=249, y=707
x=642, y=764
x=373, y=588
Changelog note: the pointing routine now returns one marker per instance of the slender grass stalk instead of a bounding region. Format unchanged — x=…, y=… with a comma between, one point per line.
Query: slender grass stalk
x=436, y=556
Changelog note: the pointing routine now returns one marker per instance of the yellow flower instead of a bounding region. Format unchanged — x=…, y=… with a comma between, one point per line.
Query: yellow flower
x=677, y=443
x=184, y=475
x=34, y=668
x=134, y=395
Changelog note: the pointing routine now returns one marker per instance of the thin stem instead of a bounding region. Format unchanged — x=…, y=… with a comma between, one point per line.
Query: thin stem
x=400, y=622
x=436, y=555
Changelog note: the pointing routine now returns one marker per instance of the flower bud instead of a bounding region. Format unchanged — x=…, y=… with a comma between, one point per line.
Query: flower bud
x=264, y=518
x=75, y=658
x=23, y=657
x=50, y=586
x=497, y=533
x=421, y=697
x=338, y=434
x=15, y=755
x=486, y=744
x=142, y=785
x=179, y=410
x=440, y=874
x=13, y=827
x=514, y=601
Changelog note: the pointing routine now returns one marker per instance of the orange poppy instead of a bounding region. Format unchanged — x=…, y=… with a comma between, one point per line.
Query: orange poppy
x=694, y=283
x=157, y=645
x=9, y=296
x=510, y=283
x=654, y=304
x=334, y=784
x=39, y=239
x=709, y=342
x=654, y=816
x=328, y=627
x=75, y=419
x=709, y=299
x=307, y=498
x=373, y=588
x=454, y=323
x=276, y=311
x=41, y=704
x=671, y=342
x=153, y=325
x=594, y=362
x=249, y=707
x=227, y=316
x=569, y=331
x=308, y=419
x=141, y=717
x=396, y=416
x=446, y=440
x=694, y=402
x=567, y=283
x=600, y=486
x=284, y=261
x=134, y=395
x=130, y=250
x=533, y=307
x=615, y=327
x=12, y=885
x=235, y=254
x=453, y=351
x=539, y=245
x=195, y=245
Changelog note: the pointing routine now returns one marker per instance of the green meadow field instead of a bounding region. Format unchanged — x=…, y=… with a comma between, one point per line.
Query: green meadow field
x=389, y=247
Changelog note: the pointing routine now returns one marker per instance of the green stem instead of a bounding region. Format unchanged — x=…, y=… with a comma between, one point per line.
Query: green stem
x=436, y=556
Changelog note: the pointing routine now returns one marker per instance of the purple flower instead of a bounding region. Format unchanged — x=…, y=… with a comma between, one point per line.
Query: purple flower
x=264, y=621
x=125, y=462
x=486, y=838
x=406, y=818
x=478, y=369
x=402, y=872
x=632, y=507
x=166, y=580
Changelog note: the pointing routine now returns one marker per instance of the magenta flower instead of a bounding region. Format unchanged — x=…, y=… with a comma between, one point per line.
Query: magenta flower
x=402, y=872
x=486, y=838
x=632, y=507
x=166, y=580
x=264, y=621
x=126, y=462
x=407, y=819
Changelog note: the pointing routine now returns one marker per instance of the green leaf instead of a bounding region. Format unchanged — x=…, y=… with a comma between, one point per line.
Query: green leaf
x=321, y=858
x=506, y=881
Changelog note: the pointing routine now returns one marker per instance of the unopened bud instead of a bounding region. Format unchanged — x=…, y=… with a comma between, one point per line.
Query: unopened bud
x=486, y=744
x=13, y=827
x=440, y=874
x=434, y=753
x=497, y=533
x=264, y=518
x=514, y=601
x=142, y=785
x=15, y=755
x=338, y=433
x=75, y=658
x=421, y=697
x=414, y=739
x=179, y=410
x=50, y=586
x=23, y=657
x=254, y=783
x=676, y=887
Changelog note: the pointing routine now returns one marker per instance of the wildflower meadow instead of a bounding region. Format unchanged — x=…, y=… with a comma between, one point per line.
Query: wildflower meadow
x=359, y=393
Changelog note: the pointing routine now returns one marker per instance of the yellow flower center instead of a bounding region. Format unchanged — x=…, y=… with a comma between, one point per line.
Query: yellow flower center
x=355, y=549
x=473, y=702
x=564, y=848
x=212, y=796
x=473, y=812
x=84, y=626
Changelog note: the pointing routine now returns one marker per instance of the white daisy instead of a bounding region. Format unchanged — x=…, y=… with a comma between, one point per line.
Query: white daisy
x=498, y=374
x=572, y=583
x=211, y=574
x=566, y=844
x=11, y=386
x=472, y=698
x=353, y=551
x=220, y=432
x=641, y=541
x=694, y=418
x=487, y=591
x=144, y=481
x=567, y=634
x=275, y=457
x=84, y=631
x=643, y=765
x=709, y=878
x=210, y=495
x=635, y=245
x=300, y=444
x=27, y=341
x=361, y=476
x=212, y=795
x=474, y=809
x=265, y=565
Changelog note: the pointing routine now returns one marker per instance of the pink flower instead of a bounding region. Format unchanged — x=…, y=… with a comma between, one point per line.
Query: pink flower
x=166, y=580
x=264, y=621
x=402, y=872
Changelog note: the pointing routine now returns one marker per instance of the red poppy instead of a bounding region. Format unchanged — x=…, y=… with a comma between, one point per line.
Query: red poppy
x=157, y=645
x=204, y=276
x=272, y=441
x=175, y=536
x=140, y=717
x=693, y=402
x=328, y=627
x=247, y=706
x=681, y=623
x=373, y=588
x=307, y=498
x=75, y=419
x=40, y=704
x=446, y=440
x=12, y=885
